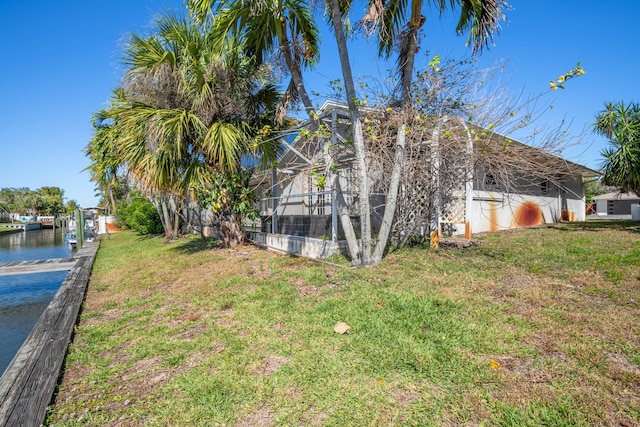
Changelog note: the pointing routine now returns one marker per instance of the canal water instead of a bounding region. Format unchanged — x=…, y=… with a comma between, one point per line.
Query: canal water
x=24, y=297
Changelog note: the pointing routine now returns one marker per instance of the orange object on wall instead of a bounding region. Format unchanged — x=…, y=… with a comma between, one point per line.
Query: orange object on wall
x=568, y=215
x=493, y=216
x=527, y=214
x=467, y=230
x=435, y=239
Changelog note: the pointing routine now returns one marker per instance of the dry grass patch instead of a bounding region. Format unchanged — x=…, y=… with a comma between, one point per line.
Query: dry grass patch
x=271, y=364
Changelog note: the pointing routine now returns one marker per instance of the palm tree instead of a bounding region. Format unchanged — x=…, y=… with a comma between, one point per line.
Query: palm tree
x=337, y=12
x=620, y=123
x=102, y=151
x=200, y=118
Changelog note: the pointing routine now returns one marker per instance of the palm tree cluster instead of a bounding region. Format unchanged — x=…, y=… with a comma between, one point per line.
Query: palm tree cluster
x=189, y=109
x=281, y=32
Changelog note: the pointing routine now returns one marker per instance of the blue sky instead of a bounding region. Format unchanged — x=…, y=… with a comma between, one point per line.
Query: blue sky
x=61, y=62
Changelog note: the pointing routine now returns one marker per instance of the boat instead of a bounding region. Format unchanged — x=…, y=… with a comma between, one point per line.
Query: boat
x=71, y=239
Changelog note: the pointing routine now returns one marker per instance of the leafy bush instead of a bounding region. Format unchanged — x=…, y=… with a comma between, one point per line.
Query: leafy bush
x=139, y=215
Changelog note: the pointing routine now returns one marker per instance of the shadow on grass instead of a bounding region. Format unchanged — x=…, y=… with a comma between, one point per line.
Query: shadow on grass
x=195, y=245
x=601, y=224
x=143, y=237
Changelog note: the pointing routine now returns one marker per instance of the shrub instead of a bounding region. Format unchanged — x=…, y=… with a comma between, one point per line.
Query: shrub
x=139, y=215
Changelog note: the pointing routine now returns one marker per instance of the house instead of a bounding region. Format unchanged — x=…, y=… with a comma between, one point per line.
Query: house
x=460, y=179
x=615, y=203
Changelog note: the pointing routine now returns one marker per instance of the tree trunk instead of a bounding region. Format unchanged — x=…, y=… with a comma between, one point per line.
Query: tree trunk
x=345, y=219
x=293, y=64
x=166, y=218
x=296, y=76
x=392, y=196
x=198, y=213
x=174, y=216
x=398, y=161
x=111, y=197
x=341, y=205
x=358, y=139
x=160, y=206
x=229, y=232
x=408, y=55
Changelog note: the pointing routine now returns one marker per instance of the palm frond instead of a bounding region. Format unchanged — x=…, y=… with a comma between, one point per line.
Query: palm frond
x=223, y=144
x=482, y=18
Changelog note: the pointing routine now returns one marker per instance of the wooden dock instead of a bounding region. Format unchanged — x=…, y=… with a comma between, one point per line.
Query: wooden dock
x=36, y=266
x=25, y=227
x=28, y=384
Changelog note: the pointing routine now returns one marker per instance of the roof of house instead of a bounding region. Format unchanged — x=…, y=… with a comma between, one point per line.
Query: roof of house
x=554, y=160
x=617, y=196
x=341, y=109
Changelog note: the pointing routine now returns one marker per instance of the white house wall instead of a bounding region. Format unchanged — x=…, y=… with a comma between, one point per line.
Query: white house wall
x=290, y=203
x=498, y=211
x=491, y=210
x=495, y=211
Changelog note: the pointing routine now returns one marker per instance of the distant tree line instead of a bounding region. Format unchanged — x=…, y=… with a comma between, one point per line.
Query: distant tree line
x=43, y=201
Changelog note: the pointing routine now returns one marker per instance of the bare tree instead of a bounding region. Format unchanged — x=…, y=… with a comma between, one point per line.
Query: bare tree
x=456, y=132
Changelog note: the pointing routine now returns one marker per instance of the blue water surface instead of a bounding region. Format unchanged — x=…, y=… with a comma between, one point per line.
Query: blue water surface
x=24, y=297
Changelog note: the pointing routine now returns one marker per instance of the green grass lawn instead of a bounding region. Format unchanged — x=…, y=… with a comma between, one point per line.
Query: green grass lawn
x=526, y=328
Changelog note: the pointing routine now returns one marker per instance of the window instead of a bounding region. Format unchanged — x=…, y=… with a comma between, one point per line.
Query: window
x=489, y=180
x=321, y=204
x=544, y=187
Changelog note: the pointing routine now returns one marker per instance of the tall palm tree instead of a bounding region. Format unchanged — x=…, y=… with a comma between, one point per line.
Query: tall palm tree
x=284, y=28
x=620, y=123
x=196, y=107
x=338, y=15
x=203, y=99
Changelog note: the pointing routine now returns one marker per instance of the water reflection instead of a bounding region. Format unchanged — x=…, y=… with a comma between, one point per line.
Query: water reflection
x=31, y=245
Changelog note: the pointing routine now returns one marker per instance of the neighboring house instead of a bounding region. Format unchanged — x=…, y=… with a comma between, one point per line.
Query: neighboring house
x=298, y=207
x=26, y=219
x=615, y=203
x=47, y=221
x=107, y=224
